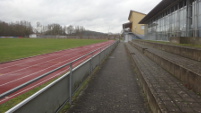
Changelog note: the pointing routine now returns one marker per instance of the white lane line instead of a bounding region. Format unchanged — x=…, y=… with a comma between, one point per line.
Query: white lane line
x=67, y=52
x=38, y=71
x=35, y=72
x=37, y=64
x=33, y=60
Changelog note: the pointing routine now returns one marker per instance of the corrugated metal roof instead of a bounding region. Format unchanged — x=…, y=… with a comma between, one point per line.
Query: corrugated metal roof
x=159, y=8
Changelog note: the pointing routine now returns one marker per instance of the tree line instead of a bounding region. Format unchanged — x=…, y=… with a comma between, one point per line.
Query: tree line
x=56, y=29
x=19, y=28
x=24, y=29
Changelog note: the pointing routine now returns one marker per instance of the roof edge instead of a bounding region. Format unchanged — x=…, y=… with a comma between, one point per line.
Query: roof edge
x=163, y=5
x=135, y=12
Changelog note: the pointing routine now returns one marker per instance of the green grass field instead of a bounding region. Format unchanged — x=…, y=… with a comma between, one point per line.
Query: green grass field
x=11, y=49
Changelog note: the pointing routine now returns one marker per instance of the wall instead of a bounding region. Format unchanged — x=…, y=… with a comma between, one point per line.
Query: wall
x=135, y=18
x=186, y=40
x=128, y=37
x=188, y=52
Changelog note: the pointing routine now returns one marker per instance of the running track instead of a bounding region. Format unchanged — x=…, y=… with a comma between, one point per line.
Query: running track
x=15, y=73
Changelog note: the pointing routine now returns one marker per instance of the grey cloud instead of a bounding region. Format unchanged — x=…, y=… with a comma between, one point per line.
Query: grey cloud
x=97, y=15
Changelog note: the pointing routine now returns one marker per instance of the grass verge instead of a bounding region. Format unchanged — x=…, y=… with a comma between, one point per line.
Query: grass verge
x=11, y=49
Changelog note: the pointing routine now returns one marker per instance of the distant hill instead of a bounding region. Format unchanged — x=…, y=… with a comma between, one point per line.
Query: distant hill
x=89, y=33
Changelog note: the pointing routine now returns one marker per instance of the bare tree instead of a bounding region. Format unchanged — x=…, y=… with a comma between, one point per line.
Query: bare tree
x=70, y=29
x=55, y=29
x=19, y=28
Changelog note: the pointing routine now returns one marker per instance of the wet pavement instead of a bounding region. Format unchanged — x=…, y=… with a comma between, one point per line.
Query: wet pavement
x=114, y=89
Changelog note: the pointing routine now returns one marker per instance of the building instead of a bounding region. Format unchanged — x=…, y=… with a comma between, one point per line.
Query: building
x=33, y=36
x=134, y=18
x=173, y=18
x=133, y=29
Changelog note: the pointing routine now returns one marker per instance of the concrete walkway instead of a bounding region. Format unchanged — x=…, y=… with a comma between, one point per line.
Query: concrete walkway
x=113, y=89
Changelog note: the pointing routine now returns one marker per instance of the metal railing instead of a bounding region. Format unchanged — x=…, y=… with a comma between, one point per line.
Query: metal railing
x=52, y=97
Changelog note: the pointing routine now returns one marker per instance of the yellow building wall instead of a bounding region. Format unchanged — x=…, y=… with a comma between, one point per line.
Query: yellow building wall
x=135, y=18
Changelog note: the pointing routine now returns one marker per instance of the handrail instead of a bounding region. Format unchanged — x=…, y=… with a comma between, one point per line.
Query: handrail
x=42, y=76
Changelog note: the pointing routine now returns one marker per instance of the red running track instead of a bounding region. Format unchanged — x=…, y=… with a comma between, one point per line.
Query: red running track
x=13, y=74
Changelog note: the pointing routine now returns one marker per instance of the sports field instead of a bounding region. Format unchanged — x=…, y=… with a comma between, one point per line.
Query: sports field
x=11, y=49
x=29, y=65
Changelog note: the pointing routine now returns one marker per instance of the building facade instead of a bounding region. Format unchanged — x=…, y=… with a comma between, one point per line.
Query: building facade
x=133, y=29
x=173, y=18
x=134, y=18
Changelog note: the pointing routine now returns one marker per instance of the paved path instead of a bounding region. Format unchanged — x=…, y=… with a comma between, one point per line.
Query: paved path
x=114, y=89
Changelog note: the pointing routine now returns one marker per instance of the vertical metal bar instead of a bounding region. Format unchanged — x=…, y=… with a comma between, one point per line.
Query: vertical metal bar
x=178, y=20
x=196, y=17
x=104, y=53
x=70, y=83
x=188, y=16
x=99, y=56
x=90, y=63
x=198, y=21
x=193, y=19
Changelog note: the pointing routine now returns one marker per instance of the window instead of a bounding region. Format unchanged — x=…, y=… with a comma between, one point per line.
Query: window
x=142, y=27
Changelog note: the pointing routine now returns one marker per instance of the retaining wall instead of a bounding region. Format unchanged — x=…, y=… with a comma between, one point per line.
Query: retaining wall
x=186, y=40
x=188, y=52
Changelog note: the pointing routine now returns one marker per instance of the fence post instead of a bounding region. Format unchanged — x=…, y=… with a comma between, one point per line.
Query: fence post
x=70, y=83
x=99, y=56
x=90, y=63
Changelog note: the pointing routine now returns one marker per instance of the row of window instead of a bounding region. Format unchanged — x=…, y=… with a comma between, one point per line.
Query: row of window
x=174, y=23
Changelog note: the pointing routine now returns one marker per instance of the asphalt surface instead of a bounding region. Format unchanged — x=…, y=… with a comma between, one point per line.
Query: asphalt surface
x=114, y=89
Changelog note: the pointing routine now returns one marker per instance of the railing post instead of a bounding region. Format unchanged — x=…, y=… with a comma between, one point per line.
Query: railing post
x=99, y=56
x=90, y=63
x=70, y=83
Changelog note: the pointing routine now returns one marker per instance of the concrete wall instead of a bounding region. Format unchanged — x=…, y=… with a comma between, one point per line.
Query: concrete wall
x=192, y=53
x=128, y=37
x=135, y=18
x=186, y=40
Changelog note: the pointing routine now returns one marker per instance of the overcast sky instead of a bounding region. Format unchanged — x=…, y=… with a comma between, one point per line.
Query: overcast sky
x=97, y=15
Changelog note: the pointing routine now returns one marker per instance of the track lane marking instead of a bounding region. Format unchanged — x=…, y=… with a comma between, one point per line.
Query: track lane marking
x=37, y=64
x=31, y=61
x=36, y=72
x=77, y=50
